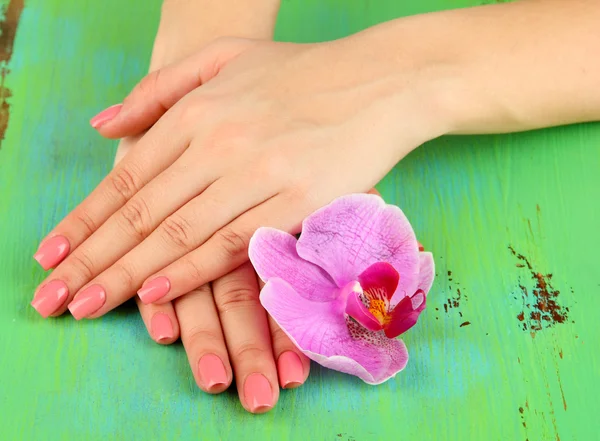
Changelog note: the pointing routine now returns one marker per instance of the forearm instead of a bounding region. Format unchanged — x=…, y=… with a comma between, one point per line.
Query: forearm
x=503, y=68
x=187, y=25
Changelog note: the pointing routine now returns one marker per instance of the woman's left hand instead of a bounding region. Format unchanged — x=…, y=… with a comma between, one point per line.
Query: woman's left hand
x=265, y=134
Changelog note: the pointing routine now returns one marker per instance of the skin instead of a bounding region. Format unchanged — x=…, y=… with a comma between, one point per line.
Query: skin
x=208, y=318
x=302, y=121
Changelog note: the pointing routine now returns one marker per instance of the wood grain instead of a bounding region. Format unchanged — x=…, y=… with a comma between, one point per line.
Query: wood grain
x=482, y=366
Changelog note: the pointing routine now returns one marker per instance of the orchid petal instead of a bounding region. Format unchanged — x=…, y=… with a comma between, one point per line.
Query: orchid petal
x=425, y=279
x=426, y=272
x=380, y=275
x=325, y=335
x=353, y=232
x=417, y=300
x=273, y=254
x=403, y=317
x=356, y=309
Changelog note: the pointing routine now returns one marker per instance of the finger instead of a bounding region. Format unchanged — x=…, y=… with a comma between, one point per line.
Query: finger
x=161, y=322
x=178, y=234
x=161, y=89
x=129, y=225
x=247, y=335
x=203, y=340
x=122, y=232
x=224, y=251
x=293, y=366
x=143, y=162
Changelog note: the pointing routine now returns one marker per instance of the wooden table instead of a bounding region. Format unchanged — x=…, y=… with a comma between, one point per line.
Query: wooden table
x=507, y=350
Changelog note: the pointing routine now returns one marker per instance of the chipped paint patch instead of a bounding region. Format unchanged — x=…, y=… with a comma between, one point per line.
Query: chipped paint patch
x=541, y=308
x=8, y=30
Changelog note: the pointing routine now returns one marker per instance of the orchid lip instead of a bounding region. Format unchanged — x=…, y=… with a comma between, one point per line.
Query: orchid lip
x=356, y=309
x=370, y=305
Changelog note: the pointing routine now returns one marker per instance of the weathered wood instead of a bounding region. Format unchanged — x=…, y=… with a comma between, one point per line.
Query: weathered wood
x=507, y=350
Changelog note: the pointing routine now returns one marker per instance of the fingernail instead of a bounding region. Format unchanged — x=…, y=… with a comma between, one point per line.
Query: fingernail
x=87, y=302
x=105, y=116
x=154, y=290
x=52, y=252
x=212, y=371
x=258, y=393
x=161, y=327
x=50, y=297
x=290, y=370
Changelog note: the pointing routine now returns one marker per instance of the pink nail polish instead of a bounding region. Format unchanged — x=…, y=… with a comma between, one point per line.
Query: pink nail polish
x=212, y=371
x=258, y=394
x=87, y=302
x=105, y=116
x=154, y=290
x=161, y=327
x=52, y=252
x=50, y=297
x=290, y=370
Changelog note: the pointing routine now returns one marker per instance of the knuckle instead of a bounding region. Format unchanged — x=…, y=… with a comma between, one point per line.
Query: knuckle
x=235, y=297
x=203, y=290
x=232, y=242
x=177, y=231
x=125, y=276
x=82, y=264
x=124, y=183
x=85, y=221
x=251, y=351
x=135, y=218
x=195, y=273
x=198, y=336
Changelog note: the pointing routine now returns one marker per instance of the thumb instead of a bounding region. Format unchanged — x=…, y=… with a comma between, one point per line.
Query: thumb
x=158, y=91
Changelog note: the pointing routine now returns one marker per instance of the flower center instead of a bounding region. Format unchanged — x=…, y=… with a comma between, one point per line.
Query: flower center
x=379, y=309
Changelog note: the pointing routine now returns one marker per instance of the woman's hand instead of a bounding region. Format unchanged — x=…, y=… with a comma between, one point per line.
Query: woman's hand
x=274, y=132
x=208, y=319
x=258, y=354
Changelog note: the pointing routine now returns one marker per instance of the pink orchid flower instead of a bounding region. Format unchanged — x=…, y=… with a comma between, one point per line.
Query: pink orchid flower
x=354, y=281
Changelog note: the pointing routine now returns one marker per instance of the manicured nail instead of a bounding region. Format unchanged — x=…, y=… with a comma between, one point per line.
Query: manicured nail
x=290, y=370
x=50, y=297
x=52, y=252
x=161, y=327
x=258, y=393
x=105, y=116
x=154, y=290
x=87, y=302
x=212, y=371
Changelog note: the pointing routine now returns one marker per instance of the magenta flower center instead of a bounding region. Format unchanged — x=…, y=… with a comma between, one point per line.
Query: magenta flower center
x=368, y=301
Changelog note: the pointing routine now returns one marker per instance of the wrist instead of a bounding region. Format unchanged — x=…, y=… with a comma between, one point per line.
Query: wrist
x=416, y=87
x=188, y=25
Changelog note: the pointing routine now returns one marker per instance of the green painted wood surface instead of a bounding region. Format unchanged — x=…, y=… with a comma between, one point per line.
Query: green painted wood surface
x=500, y=376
